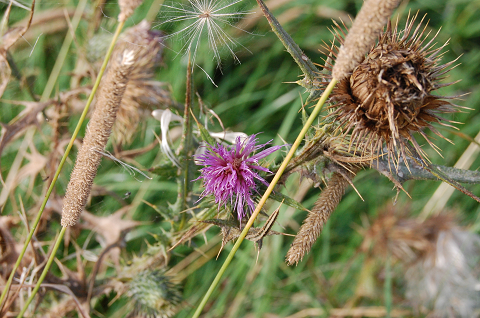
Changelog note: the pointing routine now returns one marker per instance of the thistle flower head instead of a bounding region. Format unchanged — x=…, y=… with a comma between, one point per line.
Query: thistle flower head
x=388, y=96
x=209, y=17
x=229, y=173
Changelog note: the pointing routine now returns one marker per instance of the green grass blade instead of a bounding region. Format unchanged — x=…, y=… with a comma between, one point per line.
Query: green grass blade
x=265, y=196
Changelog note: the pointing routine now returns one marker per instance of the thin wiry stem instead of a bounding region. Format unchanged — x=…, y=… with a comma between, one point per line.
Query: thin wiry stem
x=308, y=68
x=57, y=173
x=265, y=196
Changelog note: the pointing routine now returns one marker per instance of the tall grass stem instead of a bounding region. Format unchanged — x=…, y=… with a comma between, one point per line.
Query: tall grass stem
x=388, y=285
x=46, y=94
x=265, y=196
x=57, y=173
x=62, y=55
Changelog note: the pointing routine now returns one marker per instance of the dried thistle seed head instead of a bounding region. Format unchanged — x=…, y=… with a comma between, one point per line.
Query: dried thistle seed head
x=367, y=25
x=143, y=93
x=436, y=253
x=388, y=97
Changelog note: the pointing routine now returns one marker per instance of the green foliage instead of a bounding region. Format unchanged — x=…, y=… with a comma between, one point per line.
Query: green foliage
x=258, y=95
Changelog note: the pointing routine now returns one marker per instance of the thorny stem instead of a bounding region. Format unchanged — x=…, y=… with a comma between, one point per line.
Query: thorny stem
x=50, y=189
x=415, y=172
x=307, y=67
x=265, y=196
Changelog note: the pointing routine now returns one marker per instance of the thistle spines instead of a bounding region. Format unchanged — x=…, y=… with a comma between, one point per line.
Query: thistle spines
x=362, y=36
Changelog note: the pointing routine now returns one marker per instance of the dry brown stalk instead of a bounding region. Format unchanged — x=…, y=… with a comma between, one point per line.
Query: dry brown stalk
x=126, y=8
x=362, y=36
x=98, y=130
x=312, y=226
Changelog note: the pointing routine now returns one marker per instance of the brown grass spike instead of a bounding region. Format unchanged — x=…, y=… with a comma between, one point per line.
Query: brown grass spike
x=98, y=130
x=312, y=226
x=362, y=36
x=127, y=7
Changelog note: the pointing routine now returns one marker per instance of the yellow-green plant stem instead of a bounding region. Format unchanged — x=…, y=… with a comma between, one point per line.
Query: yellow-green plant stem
x=62, y=55
x=265, y=196
x=44, y=273
x=50, y=189
x=46, y=94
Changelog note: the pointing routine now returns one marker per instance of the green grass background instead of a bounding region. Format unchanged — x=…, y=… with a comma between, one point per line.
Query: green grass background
x=257, y=96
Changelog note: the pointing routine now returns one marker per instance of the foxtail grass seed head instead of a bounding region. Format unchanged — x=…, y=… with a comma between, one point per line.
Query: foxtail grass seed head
x=389, y=96
x=229, y=173
x=98, y=130
x=143, y=93
x=206, y=18
x=369, y=22
x=312, y=226
x=127, y=7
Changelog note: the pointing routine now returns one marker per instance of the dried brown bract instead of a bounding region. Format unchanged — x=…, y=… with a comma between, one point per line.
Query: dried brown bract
x=388, y=97
x=8, y=37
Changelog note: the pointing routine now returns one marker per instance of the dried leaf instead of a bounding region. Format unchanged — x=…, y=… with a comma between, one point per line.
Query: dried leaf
x=8, y=38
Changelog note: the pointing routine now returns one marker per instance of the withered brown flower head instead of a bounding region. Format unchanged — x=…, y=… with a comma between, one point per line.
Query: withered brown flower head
x=143, y=92
x=388, y=97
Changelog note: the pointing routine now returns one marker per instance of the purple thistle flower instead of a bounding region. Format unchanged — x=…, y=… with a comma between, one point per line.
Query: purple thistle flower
x=229, y=173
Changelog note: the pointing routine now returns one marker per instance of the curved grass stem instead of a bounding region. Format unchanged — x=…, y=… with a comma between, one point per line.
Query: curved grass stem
x=46, y=94
x=50, y=189
x=265, y=196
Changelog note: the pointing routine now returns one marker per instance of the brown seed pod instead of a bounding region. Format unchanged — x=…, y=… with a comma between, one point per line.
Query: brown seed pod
x=388, y=96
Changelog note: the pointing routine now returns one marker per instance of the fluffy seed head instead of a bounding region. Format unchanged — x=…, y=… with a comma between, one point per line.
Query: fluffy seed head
x=388, y=97
x=440, y=259
x=208, y=18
